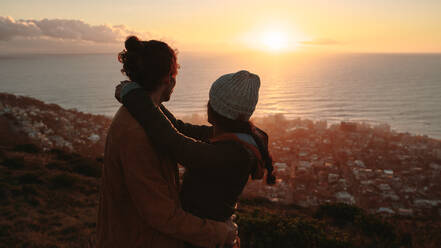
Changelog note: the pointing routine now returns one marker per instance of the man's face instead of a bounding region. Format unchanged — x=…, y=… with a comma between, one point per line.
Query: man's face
x=168, y=88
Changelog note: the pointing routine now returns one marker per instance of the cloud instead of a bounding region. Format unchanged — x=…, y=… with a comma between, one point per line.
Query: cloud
x=44, y=45
x=61, y=29
x=321, y=42
x=10, y=28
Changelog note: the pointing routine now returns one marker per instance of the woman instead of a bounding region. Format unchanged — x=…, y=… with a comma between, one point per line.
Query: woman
x=218, y=159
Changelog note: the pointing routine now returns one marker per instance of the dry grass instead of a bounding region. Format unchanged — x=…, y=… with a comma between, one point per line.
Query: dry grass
x=46, y=207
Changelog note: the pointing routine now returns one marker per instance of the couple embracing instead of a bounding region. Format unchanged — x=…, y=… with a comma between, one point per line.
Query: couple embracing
x=142, y=203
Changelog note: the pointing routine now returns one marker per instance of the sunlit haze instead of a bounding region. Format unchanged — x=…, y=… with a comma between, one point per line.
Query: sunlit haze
x=274, y=40
x=211, y=26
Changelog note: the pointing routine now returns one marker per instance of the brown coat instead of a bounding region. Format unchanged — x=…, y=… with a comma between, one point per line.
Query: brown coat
x=139, y=201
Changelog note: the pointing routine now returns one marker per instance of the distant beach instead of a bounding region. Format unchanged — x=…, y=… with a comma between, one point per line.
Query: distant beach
x=401, y=90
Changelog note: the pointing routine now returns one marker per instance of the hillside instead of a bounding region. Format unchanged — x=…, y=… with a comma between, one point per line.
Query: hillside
x=51, y=159
x=47, y=199
x=50, y=199
x=27, y=120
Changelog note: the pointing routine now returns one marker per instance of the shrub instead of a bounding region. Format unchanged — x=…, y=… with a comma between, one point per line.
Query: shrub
x=406, y=240
x=4, y=230
x=57, y=166
x=33, y=201
x=29, y=190
x=63, y=180
x=341, y=213
x=374, y=226
x=86, y=167
x=100, y=159
x=69, y=230
x=381, y=233
x=334, y=243
x=255, y=201
x=29, y=148
x=4, y=192
x=29, y=178
x=63, y=155
x=14, y=163
x=259, y=229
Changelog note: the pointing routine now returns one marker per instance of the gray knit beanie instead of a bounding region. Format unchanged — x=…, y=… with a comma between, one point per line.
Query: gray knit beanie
x=235, y=95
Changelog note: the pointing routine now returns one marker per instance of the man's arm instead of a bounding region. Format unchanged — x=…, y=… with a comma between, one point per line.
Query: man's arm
x=151, y=194
x=200, y=132
x=189, y=152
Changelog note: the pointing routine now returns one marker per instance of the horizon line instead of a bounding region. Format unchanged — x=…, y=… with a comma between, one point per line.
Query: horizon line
x=2, y=55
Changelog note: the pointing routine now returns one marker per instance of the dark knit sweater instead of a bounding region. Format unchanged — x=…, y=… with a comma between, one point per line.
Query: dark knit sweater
x=216, y=172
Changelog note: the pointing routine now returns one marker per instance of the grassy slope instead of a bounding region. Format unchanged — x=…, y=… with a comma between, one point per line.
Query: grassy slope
x=49, y=199
x=264, y=224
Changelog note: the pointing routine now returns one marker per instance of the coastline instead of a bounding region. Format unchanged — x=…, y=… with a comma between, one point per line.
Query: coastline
x=342, y=162
x=53, y=126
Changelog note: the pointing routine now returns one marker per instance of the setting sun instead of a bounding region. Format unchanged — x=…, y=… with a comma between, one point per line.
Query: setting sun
x=274, y=40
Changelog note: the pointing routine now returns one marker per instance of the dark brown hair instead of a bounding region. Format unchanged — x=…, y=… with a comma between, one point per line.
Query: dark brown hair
x=147, y=62
x=240, y=126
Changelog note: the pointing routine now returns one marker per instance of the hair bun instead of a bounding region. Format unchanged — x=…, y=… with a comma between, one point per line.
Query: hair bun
x=133, y=44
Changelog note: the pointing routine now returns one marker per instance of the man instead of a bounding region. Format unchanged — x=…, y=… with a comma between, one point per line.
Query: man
x=139, y=201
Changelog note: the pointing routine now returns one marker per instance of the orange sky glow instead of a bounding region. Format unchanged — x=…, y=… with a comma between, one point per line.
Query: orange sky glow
x=277, y=26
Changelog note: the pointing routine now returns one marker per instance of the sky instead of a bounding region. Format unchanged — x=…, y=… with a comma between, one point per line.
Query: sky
x=276, y=26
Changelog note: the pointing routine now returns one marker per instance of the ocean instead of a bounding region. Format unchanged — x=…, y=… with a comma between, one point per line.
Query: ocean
x=402, y=90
